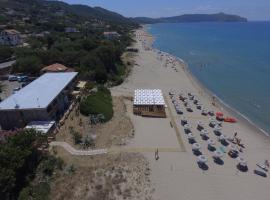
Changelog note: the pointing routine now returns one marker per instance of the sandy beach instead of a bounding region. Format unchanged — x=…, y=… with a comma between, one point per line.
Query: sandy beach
x=176, y=175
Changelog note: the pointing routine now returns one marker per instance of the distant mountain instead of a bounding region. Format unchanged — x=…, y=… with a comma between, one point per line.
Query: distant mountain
x=219, y=17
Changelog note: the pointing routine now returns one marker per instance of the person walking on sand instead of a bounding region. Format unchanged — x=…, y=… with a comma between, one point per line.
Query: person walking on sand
x=156, y=155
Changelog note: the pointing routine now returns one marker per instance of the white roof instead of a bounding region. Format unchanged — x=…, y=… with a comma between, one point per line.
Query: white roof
x=148, y=97
x=40, y=93
x=41, y=126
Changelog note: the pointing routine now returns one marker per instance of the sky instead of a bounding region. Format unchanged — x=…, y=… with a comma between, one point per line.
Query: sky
x=252, y=9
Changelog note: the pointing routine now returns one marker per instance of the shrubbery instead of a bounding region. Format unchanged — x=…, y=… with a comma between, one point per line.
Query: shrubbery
x=19, y=159
x=99, y=102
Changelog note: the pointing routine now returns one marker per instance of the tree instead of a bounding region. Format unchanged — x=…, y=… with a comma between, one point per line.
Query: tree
x=29, y=65
x=19, y=158
x=5, y=53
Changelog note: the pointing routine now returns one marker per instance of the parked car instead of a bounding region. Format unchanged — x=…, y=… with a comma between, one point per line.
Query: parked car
x=22, y=78
x=12, y=78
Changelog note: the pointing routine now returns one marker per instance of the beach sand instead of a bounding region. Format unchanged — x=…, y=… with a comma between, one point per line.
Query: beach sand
x=176, y=174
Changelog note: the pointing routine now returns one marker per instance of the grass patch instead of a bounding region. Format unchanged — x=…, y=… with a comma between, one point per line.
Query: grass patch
x=99, y=102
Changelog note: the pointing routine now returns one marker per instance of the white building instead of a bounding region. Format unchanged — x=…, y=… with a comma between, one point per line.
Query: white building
x=149, y=103
x=111, y=35
x=45, y=99
x=10, y=37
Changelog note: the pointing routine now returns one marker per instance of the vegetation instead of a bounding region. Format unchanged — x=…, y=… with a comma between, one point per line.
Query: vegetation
x=86, y=49
x=21, y=163
x=97, y=103
x=5, y=53
x=19, y=158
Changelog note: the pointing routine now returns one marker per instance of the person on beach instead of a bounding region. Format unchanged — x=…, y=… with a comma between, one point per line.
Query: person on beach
x=156, y=155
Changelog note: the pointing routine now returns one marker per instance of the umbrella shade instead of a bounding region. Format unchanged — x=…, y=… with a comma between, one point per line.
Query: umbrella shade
x=210, y=142
x=202, y=159
x=196, y=146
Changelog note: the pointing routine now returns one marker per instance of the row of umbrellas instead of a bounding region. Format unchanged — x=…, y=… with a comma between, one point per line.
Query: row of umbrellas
x=204, y=133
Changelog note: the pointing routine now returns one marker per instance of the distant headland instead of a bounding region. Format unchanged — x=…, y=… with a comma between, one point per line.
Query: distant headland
x=218, y=17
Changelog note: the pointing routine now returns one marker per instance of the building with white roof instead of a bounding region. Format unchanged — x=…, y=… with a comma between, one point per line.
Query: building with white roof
x=149, y=102
x=44, y=99
x=44, y=127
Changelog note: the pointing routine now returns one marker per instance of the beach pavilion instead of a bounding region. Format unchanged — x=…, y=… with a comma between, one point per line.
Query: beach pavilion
x=149, y=103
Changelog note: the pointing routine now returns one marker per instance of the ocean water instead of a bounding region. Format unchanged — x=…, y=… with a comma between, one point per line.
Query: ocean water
x=231, y=59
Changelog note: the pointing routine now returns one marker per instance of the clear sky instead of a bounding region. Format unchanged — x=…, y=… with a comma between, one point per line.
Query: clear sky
x=252, y=9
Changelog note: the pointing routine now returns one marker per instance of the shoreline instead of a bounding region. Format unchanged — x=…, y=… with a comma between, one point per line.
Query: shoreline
x=221, y=104
x=177, y=168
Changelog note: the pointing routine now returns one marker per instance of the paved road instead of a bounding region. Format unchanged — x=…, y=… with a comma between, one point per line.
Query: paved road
x=7, y=64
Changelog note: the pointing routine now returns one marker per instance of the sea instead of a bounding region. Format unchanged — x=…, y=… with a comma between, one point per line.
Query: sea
x=232, y=60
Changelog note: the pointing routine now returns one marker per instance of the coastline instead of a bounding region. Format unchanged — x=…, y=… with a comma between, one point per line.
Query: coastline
x=176, y=173
x=221, y=104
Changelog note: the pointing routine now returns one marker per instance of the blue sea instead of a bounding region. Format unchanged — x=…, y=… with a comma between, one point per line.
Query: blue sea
x=232, y=60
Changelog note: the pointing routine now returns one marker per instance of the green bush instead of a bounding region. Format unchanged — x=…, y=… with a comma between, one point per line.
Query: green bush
x=98, y=103
x=50, y=164
x=40, y=191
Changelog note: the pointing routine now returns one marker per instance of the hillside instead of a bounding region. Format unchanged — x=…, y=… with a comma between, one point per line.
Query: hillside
x=47, y=8
x=219, y=17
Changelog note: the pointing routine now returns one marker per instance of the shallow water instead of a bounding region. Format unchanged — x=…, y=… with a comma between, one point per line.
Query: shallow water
x=231, y=59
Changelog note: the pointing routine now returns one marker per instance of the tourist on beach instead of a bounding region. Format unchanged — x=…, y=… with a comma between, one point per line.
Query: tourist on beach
x=156, y=155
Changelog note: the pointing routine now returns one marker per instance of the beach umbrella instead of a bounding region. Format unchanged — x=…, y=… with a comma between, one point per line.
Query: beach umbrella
x=200, y=125
x=223, y=137
x=217, y=128
x=204, y=132
x=184, y=121
x=220, y=114
x=211, y=113
x=212, y=123
x=233, y=148
x=210, y=142
x=204, y=112
x=189, y=109
x=199, y=106
x=202, y=159
x=191, y=136
x=187, y=128
x=196, y=146
x=242, y=162
x=217, y=154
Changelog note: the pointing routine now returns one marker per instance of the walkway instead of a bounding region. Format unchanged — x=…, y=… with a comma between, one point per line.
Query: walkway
x=178, y=134
x=76, y=152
